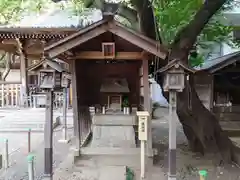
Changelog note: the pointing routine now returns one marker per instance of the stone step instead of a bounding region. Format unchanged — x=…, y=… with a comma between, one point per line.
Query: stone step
x=109, y=151
x=114, y=120
x=113, y=136
x=132, y=161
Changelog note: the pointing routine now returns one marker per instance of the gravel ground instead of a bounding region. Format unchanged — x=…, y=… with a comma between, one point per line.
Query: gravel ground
x=188, y=163
x=18, y=159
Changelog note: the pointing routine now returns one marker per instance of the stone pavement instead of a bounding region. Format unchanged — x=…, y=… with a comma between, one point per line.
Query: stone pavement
x=20, y=120
x=105, y=167
x=18, y=159
x=14, y=124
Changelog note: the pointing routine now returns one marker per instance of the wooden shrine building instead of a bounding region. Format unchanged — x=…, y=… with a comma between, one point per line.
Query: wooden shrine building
x=217, y=84
x=107, y=61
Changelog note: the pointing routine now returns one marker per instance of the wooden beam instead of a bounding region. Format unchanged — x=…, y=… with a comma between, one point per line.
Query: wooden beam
x=8, y=48
x=93, y=55
x=55, y=51
x=23, y=71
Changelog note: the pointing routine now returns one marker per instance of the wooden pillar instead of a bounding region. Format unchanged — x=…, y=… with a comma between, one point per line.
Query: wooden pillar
x=48, y=136
x=147, y=105
x=23, y=71
x=75, y=107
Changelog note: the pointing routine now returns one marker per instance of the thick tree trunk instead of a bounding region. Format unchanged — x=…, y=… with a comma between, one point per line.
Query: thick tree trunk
x=202, y=128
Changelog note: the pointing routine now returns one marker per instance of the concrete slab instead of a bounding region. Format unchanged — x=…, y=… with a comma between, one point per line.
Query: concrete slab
x=113, y=136
x=132, y=161
x=114, y=120
x=109, y=151
x=113, y=172
x=23, y=120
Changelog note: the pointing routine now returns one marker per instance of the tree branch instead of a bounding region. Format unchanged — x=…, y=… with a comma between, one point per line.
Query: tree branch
x=124, y=11
x=187, y=37
x=128, y=13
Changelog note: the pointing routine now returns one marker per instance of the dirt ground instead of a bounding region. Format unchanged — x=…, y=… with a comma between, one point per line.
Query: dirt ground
x=188, y=163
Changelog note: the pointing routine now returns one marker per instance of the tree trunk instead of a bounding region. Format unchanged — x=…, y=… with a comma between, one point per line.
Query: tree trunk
x=202, y=128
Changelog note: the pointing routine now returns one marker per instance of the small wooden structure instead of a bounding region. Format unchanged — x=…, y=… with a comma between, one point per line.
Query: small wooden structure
x=99, y=52
x=218, y=86
x=113, y=90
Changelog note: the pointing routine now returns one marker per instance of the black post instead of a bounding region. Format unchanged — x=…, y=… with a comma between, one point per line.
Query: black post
x=29, y=140
x=48, y=135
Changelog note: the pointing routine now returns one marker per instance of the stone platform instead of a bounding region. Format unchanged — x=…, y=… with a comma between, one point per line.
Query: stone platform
x=113, y=131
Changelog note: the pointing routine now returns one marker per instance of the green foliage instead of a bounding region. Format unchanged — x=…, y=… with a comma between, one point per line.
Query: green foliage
x=129, y=174
x=125, y=102
x=12, y=10
x=173, y=15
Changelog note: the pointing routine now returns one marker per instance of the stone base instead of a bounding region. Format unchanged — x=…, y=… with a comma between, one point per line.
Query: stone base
x=64, y=141
x=113, y=137
x=75, y=152
x=112, y=151
x=114, y=120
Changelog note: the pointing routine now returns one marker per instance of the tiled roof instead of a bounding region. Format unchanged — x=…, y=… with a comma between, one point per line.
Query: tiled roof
x=54, y=24
x=220, y=62
x=56, y=18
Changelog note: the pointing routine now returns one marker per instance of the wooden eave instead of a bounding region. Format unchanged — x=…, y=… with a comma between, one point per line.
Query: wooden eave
x=219, y=66
x=100, y=27
x=36, y=66
x=36, y=33
x=50, y=63
x=173, y=63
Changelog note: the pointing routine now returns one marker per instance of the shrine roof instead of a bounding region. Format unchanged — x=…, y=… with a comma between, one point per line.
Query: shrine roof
x=111, y=25
x=216, y=64
x=56, y=24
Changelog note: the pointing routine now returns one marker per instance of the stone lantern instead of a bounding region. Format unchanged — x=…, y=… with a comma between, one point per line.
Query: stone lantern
x=175, y=74
x=174, y=82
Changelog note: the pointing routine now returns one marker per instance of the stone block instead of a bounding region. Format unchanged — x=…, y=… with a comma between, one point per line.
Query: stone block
x=114, y=120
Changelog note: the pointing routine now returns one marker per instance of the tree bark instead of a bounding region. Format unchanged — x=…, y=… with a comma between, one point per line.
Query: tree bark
x=200, y=126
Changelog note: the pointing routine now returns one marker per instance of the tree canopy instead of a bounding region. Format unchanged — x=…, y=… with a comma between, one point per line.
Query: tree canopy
x=171, y=17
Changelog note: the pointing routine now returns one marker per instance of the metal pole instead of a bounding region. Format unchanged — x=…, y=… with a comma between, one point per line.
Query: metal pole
x=64, y=127
x=172, y=136
x=48, y=135
x=142, y=159
x=30, y=159
x=29, y=140
x=6, y=157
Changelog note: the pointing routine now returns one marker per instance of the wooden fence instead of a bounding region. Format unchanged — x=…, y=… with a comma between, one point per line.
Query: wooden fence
x=10, y=94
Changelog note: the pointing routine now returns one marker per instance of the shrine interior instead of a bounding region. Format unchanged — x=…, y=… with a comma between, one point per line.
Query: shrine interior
x=91, y=75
